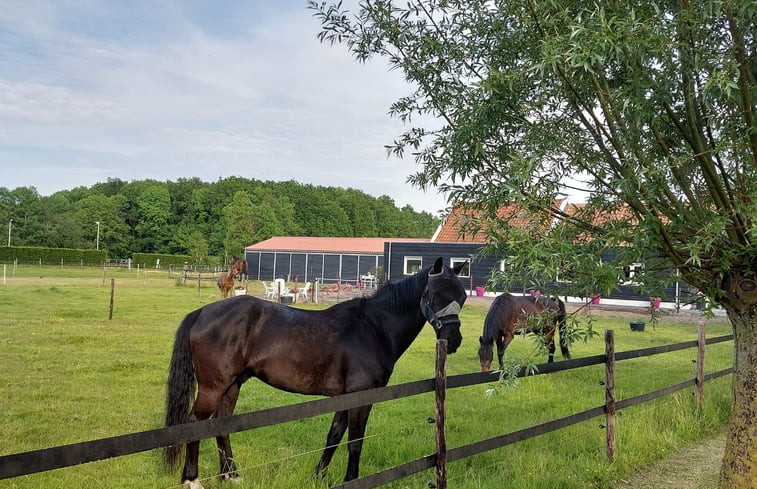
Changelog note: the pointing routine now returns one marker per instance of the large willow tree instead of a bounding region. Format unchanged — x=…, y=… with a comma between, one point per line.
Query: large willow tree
x=648, y=107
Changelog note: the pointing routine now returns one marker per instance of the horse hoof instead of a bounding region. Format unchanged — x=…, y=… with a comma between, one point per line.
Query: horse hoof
x=195, y=484
x=231, y=477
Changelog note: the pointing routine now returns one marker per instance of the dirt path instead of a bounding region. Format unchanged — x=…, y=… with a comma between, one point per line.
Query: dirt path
x=693, y=467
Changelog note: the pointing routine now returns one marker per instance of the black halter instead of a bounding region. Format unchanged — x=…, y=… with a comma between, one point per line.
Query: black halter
x=442, y=317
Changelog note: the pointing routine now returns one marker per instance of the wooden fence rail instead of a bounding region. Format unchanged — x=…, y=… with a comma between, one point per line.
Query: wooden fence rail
x=74, y=454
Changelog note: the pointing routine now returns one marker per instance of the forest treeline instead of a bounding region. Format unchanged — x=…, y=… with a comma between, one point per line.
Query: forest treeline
x=201, y=219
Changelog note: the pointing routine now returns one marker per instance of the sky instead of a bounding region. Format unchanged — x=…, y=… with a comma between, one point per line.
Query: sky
x=98, y=89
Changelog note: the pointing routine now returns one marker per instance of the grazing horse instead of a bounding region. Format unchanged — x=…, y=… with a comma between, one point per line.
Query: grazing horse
x=510, y=314
x=348, y=347
x=226, y=279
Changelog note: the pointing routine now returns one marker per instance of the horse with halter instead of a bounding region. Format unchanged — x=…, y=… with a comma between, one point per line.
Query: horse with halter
x=226, y=279
x=348, y=347
x=510, y=314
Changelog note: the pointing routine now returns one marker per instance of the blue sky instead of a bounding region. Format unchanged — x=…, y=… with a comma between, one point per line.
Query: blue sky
x=179, y=89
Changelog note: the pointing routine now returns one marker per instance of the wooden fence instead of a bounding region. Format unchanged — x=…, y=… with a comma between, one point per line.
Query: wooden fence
x=68, y=455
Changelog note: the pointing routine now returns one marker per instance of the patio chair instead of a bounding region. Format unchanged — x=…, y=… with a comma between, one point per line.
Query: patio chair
x=304, y=292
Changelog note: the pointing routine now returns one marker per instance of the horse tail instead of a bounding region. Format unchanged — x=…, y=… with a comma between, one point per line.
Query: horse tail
x=181, y=386
x=563, y=327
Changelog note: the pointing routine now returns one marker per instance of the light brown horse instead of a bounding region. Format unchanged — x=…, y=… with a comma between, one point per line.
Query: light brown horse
x=226, y=279
x=510, y=314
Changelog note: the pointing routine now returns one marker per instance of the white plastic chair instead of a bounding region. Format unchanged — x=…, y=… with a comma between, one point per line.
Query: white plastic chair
x=280, y=287
x=304, y=292
x=270, y=291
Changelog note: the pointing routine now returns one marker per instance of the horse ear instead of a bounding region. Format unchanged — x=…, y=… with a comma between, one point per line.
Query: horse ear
x=438, y=264
x=457, y=268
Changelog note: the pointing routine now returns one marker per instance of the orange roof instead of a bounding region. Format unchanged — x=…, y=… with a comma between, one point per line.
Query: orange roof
x=327, y=244
x=455, y=227
x=613, y=213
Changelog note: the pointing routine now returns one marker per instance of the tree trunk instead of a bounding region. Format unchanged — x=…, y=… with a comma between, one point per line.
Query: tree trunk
x=739, y=467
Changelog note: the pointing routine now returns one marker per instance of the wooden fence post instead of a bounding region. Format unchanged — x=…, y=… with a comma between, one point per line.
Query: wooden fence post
x=610, y=394
x=441, y=414
x=112, y=293
x=701, y=342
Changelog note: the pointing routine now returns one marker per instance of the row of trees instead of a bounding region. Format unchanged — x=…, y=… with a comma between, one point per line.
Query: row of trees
x=201, y=219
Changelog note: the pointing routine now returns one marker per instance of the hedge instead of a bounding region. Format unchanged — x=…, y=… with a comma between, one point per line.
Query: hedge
x=28, y=254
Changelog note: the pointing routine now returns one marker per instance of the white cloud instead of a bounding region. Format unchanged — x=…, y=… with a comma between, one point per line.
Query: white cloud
x=132, y=90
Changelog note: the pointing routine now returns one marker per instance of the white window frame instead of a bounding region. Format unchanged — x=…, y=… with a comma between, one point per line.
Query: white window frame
x=465, y=272
x=408, y=260
x=633, y=270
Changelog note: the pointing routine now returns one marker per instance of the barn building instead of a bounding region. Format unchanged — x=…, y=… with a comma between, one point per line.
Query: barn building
x=351, y=260
x=327, y=259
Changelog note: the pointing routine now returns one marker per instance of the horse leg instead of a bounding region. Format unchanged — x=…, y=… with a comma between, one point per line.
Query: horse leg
x=204, y=407
x=226, y=408
x=550, y=339
x=358, y=418
x=336, y=432
x=502, y=346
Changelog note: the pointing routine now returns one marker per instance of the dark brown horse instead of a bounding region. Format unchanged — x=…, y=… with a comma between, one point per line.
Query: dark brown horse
x=348, y=347
x=226, y=279
x=510, y=314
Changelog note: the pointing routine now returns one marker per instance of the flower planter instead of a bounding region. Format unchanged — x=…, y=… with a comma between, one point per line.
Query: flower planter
x=595, y=299
x=479, y=291
x=637, y=325
x=287, y=299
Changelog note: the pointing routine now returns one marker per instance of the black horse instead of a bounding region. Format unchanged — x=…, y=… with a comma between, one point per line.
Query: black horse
x=348, y=347
x=510, y=314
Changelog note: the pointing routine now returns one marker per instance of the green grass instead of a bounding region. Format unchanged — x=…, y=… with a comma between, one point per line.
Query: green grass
x=69, y=374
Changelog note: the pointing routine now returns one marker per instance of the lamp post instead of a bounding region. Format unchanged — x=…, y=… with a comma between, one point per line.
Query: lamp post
x=10, y=225
x=98, y=234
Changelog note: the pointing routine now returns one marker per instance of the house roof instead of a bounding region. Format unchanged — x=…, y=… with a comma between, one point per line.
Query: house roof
x=453, y=228
x=328, y=244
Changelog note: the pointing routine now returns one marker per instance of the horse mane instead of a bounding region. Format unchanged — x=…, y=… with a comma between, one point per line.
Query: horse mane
x=399, y=295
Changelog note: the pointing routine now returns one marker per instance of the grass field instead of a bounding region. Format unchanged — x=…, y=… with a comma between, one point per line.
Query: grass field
x=70, y=374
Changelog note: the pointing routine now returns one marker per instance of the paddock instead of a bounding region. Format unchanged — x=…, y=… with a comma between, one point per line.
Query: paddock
x=95, y=385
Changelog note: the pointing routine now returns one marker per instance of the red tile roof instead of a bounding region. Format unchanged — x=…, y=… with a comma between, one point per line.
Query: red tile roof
x=454, y=228
x=328, y=245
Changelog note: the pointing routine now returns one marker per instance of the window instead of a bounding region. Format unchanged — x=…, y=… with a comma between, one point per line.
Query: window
x=465, y=272
x=413, y=264
x=631, y=273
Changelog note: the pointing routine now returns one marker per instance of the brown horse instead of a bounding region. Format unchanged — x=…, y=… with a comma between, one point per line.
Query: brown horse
x=348, y=347
x=510, y=314
x=226, y=279
x=242, y=273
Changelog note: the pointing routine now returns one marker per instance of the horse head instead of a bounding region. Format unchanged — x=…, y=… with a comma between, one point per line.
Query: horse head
x=238, y=268
x=442, y=301
x=485, y=354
